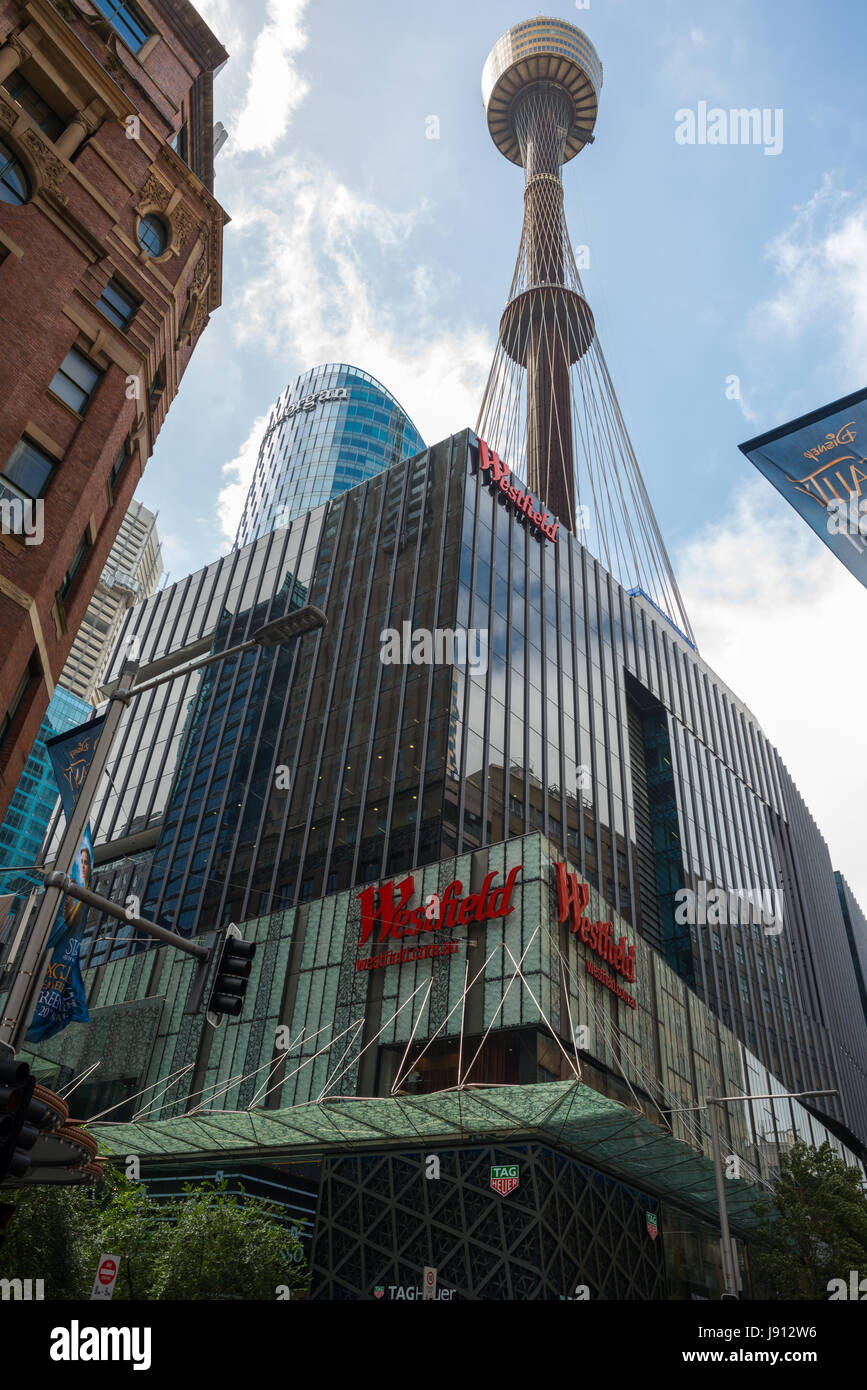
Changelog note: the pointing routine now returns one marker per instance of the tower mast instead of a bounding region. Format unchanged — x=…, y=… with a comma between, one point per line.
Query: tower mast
x=549, y=406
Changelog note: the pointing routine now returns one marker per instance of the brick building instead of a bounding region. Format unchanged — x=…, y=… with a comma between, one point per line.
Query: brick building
x=110, y=266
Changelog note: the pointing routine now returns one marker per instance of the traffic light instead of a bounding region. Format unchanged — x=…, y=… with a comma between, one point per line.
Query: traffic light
x=21, y=1119
x=233, y=972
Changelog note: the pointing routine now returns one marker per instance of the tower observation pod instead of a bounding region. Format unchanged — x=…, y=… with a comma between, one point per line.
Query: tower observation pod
x=549, y=407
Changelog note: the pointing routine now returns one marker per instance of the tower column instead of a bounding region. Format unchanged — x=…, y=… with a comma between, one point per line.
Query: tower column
x=542, y=118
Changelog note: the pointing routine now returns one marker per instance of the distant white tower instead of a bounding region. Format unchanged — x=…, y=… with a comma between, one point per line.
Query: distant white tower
x=131, y=574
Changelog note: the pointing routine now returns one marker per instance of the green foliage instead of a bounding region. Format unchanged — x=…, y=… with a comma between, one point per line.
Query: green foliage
x=225, y=1245
x=208, y=1244
x=42, y=1239
x=127, y=1224
x=813, y=1230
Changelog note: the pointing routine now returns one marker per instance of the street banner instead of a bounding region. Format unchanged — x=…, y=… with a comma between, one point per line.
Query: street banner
x=106, y=1277
x=818, y=464
x=62, y=997
x=71, y=755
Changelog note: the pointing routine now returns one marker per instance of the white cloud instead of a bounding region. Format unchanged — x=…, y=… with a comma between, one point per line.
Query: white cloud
x=778, y=618
x=820, y=261
x=692, y=63
x=275, y=88
x=329, y=274
x=239, y=471
x=314, y=250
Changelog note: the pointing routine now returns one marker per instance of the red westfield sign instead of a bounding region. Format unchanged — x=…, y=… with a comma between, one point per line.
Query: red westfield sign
x=573, y=899
x=388, y=908
x=523, y=502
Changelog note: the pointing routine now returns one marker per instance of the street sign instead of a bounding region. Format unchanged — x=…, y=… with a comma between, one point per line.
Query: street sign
x=106, y=1275
x=429, y=1283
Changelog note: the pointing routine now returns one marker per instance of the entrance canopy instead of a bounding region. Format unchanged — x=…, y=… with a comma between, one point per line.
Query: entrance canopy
x=568, y=1115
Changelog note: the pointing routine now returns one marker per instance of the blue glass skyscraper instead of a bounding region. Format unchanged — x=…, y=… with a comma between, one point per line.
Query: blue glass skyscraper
x=332, y=429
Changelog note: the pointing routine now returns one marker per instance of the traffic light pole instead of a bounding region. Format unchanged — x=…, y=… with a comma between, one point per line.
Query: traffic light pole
x=727, y=1248
x=84, y=895
x=713, y=1105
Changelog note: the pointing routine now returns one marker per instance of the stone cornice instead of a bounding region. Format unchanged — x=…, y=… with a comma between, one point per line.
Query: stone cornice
x=185, y=20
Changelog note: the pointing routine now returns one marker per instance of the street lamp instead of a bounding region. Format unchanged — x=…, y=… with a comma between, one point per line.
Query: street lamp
x=31, y=971
x=293, y=624
x=727, y=1249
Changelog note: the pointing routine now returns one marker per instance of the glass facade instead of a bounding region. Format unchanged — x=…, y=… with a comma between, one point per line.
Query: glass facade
x=35, y=796
x=334, y=427
x=856, y=930
x=667, y=1051
x=301, y=773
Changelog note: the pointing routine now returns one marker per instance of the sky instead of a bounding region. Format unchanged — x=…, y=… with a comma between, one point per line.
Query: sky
x=355, y=237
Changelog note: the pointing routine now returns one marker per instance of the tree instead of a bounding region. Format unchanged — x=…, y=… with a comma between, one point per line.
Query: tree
x=209, y=1243
x=44, y=1239
x=228, y=1245
x=814, y=1228
x=129, y=1225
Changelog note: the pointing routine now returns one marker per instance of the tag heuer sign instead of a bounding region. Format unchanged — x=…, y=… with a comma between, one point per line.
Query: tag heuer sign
x=652, y=1227
x=379, y=1291
x=504, y=1179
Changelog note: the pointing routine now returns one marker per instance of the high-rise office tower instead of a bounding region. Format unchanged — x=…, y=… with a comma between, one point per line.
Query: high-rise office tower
x=130, y=576
x=110, y=265
x=334, y=427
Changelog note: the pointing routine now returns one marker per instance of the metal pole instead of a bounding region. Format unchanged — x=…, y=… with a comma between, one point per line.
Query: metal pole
x=193, y=666
x=26, y=983
x=730, y=1269
x=75, y=826
x=730, y=1279
x=84, y=895
x=775, y=1095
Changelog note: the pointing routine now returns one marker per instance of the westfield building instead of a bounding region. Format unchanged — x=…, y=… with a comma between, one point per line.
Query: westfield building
x=519, y=911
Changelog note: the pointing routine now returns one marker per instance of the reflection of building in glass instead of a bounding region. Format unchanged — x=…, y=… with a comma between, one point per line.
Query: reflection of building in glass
x=130, y=576
x=856, y=931
x=163, y=800
x=334, y=427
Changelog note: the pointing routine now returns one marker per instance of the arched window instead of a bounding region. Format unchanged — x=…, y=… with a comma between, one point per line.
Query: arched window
x=14, y=184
